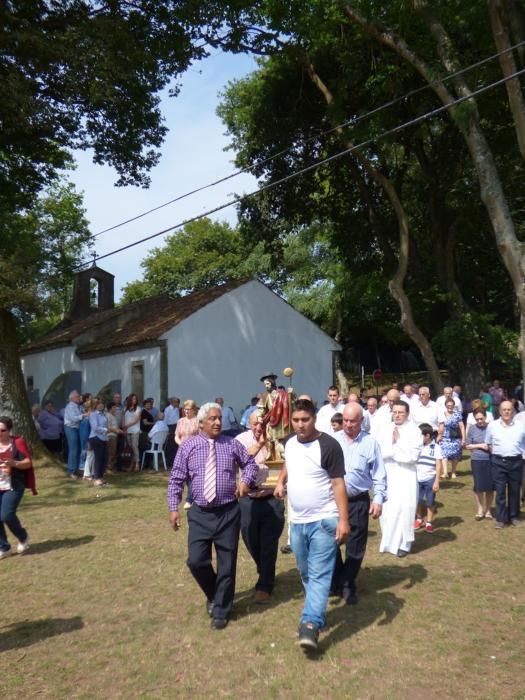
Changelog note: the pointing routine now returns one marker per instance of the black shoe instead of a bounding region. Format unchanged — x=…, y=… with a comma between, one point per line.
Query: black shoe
x=218, y=623
x=286, y=549
x=402, y=553
x=308, y=635
x=209, y=607
x=350, y=596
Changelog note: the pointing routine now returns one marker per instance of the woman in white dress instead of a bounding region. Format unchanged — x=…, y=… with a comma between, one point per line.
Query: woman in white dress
x=400, y=442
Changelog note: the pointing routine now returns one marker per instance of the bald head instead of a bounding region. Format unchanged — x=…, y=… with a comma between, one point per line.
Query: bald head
x=353, y=398
x=392, y=396
x=352, y=419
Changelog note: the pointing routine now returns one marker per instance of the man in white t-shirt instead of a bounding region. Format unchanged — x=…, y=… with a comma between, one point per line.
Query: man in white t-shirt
x=325, y=413
x=317, y=510
x=425, y=410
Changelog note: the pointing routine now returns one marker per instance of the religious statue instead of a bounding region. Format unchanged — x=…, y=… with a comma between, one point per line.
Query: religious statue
x=274, y=411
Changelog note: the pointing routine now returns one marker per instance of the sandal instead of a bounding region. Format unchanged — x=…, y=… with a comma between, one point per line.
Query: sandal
x=488, y=516
x=479, y=516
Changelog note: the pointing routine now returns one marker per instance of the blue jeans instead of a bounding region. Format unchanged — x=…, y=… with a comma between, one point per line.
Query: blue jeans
x=315, y=550
x=9, y=501
x=73, y=448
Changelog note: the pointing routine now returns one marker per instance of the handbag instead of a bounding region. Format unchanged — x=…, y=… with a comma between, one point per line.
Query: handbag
x=454, y=433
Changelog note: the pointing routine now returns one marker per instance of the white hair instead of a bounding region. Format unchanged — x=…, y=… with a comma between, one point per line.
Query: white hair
x=73, y=393
x=206, y=408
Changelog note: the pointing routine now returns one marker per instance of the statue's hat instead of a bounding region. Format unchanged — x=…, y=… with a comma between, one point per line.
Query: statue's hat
x=268, y=375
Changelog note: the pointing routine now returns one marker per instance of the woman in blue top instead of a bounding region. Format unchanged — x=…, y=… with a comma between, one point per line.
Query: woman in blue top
x=480, y=461
x=451, y=438
x=98, y=438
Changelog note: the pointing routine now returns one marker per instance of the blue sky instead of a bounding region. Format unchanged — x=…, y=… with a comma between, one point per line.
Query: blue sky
x=192, y=155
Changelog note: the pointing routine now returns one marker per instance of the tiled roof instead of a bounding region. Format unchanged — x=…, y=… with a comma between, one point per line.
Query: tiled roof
x=139, y=324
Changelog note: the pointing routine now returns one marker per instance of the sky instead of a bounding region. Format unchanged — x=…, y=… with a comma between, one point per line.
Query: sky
x=192, y=155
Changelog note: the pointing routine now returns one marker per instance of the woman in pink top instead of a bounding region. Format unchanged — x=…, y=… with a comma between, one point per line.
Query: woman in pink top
x=187, y=427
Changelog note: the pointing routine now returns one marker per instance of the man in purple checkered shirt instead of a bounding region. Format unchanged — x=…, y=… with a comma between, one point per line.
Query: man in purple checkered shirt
x=217, y=521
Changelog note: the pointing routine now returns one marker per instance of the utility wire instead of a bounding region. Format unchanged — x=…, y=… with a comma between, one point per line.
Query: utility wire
x=313, y=166
x=352, y=121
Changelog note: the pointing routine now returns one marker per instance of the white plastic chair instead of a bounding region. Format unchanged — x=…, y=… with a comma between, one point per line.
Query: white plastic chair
x=157, y=448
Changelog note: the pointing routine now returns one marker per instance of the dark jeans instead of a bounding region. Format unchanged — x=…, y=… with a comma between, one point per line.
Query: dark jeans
x=73, y=449
x=9, y=501
x=507, y=474
x=219, y=527
x=100, y=448
x=345, y=573
x=262, y=522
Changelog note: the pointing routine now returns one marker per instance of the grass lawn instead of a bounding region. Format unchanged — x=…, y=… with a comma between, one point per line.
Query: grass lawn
x=103, y=606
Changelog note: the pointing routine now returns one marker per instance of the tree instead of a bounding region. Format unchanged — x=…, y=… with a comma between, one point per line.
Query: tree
x=82, y=74
x=38, y=251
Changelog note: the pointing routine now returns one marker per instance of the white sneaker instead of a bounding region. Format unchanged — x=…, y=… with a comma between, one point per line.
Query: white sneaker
x=187, y=506
x=23, y=546
x=4, y=555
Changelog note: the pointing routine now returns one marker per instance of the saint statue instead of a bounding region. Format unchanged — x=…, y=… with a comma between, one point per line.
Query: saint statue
x=274, y=410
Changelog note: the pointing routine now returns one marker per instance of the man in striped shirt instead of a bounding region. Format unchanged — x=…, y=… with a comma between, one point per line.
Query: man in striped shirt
x=210, y=461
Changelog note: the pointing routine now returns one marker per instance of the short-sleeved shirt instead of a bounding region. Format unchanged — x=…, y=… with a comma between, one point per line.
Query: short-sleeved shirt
x=476, y=436
x=311, y=466
x=426, y=464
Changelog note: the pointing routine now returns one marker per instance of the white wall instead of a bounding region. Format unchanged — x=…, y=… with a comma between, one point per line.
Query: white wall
x=96, y=372
x=223, y=349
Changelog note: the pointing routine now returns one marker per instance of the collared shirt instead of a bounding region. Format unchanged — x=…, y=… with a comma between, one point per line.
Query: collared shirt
x=248, y=440
x=228, y=418
x=72, y=415
x=246, y=415
x=99, y=425
x=159, y=426
x=51, y=425
x=506, y=440
x=364, y=467
x=190, y=463
x=171, y=414
x=419, y=413
x=324, y=416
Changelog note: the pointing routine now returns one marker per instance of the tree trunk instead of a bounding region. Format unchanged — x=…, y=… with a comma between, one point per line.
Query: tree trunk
x=491, y=190
x=13, y=397
x=395, y=285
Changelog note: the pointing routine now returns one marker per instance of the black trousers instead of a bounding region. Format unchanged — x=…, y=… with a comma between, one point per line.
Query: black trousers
x=218, y=527
x=262, y=522
x=100, y=448
x=507, y=474
x=346, y=572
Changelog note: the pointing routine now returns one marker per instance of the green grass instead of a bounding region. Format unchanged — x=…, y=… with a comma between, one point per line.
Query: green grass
x=103, y=606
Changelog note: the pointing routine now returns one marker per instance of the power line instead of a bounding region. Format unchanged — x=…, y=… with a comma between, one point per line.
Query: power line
x=349, y=122
x=313, y=166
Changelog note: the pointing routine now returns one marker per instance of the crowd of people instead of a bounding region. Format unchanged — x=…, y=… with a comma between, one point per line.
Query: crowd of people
x=354, y=458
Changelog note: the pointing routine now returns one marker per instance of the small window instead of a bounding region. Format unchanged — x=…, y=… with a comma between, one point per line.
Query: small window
x=30, y=384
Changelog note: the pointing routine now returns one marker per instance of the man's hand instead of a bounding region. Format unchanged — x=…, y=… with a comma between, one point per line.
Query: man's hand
x=395, y=435
x=435, y=486
x=242, y=490
x=279, y=491
x=175, y=520
x=342, y=530
x=375, y=510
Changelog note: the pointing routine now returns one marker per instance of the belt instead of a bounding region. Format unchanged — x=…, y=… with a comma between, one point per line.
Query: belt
x=363, y=496
x=507, y=458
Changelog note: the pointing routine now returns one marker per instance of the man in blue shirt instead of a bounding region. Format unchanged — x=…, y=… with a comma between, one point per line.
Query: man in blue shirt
x=364, y=472
x=505, y=438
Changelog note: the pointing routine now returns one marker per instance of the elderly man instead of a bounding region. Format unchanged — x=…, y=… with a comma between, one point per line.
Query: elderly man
x=262, y=515
x=229, y=421
x=384, y=413
x=505, y=438
x=448, y=393
x=425, y=410
x=370, y=414
x=209, y=460
x=72, y=418
x=318, y=511
x=364, y=472
x=325, y=413
x=409, y=395
x=401, y=442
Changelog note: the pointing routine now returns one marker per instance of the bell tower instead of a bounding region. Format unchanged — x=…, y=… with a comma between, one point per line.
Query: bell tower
x=93, y=291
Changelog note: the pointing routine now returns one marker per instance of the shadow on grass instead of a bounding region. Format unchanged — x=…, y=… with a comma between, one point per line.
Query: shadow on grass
x=288, y=586
x=451, y=485
x=425, y=540
x=66, y=543
x=23, y=634
x=93, y=498
x=376, y=605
